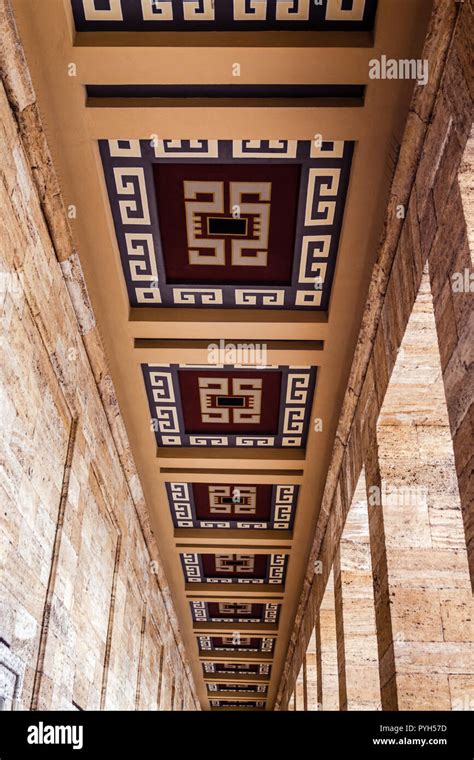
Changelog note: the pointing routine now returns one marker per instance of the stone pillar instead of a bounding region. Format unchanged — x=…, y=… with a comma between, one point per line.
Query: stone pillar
x=341, y=659
x=358, y=645
x=312, y=674
x=421, y=578
x=329, y=662
x=300, y=691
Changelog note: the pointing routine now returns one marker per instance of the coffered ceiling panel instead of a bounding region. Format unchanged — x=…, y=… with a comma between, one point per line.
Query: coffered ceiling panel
x=222, y=223
x=255, y=705
x=234, y=568
x=258, y=689
x=233, y=668
x=234, y=612
x=223, y=15
x=235, y=643
x=206, y=505
x=229, y=406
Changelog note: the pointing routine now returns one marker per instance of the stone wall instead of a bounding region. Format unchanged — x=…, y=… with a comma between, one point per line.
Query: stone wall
x=86, y=620
x=431, y=184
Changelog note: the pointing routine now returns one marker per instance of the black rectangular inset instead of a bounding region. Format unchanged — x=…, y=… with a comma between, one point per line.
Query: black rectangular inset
x=226, y=225
x=230, y=401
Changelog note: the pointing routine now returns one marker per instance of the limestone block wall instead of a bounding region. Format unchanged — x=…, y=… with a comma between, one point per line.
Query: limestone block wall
x=424, y=606
x=431, y=184
x=86, y=620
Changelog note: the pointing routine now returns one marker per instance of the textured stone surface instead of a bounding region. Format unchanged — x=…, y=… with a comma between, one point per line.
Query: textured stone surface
x=433, y=178
x=431, y=608
x=82, y=608
x=359, y=640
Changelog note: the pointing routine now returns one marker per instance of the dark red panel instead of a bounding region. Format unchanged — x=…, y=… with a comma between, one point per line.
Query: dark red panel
x=285, y=181
x=202, y=501
x=238, y=611
x=222, y=667
x=268, y=397
x=218, y=642
x=231, y=567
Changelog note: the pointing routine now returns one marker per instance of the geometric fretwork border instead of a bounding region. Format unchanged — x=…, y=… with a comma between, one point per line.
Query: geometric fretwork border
x=163, y=392
x=325, y=169
x=183, y=511
x=223, y=15
x=206, y=645
x=194, y=571
x=200, y=613
x=222, y=703
x=238, y=688
x=263, y=669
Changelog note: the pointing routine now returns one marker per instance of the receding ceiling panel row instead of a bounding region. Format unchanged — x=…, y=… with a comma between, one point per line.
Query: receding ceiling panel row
x=229, y=222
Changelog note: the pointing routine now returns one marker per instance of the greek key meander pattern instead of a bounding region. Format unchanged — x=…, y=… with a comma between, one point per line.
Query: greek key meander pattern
x=238, y=689
x=233, y=705
x=162, y=386
x=229, y=612
x=222, y=14
x=194, y=572
x=263, y=669
x=235, y=644
x=325, y=168
x=183, y=511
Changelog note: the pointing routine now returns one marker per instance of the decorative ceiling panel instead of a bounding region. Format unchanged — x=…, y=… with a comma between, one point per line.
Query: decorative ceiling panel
x=224, y=703
x=235, y=643
x=216, y=688
x=234, y=568
x=234, y=612
x=223, y=15
x=228, y=406
x=234, y=224
x=205, y=505
x=242, y=668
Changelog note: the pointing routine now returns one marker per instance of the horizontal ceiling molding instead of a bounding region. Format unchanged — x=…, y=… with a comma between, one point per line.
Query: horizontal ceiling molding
x=310, y=94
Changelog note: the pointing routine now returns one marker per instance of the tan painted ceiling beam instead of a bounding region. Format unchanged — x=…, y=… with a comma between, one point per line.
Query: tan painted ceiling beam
x=259, y=630
x=173, y=354
x=203, y=475
x=260, y=657
x=234, y=547
x=239, y=696
x=239, y=678
x=293, y=65
x=190, y=40
x=228, y=324
x=240, y=459
x=199, y=537
x=235, y=123
x=252, y=591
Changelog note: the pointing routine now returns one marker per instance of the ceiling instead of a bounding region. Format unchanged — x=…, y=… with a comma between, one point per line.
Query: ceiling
x=227, y=226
